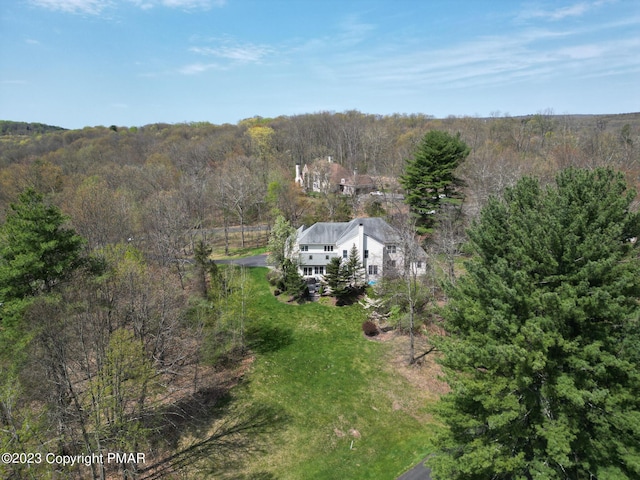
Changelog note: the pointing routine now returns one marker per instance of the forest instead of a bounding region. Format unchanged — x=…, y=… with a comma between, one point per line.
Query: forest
x=118, y=333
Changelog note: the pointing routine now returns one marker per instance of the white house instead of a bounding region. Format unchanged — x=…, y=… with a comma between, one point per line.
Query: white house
x=379, y=245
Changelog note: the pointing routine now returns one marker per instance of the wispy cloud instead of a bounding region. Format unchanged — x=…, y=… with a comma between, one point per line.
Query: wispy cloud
x=192, y=4
x=188, y=5
x=196, y=68
x=556, y=14
x=234, y=51
x=87, y=7
x=582, y=52
x=97, y=7
x=353, y=31
x=487, y=62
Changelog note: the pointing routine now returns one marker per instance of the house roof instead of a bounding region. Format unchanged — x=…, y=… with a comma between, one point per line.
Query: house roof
x=334, y=172
x=337, y=232
x=359, y=180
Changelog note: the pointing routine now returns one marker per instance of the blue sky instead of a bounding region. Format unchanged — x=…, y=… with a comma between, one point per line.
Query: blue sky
x=77, y=63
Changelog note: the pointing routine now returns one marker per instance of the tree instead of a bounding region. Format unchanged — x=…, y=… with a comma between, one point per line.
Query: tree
x=542, y=353
x=286, y=198
x=335, y=277
x=203, y=264
x=119, y=395
x=36, y=253
x=36, y=250
x=100, y=215
x=353, y=270
x=242, y=189
x=344, y=279
x=449, y=236
x=405, y=290
x=292, y=281
x=430, y=174
x=289, y=279
x=279, y=242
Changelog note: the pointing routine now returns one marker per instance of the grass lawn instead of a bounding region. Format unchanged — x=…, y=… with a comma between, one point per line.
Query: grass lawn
x=348, y=413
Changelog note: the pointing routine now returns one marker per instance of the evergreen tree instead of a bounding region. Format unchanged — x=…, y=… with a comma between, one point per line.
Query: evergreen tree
x=36, y=251
x=543, y=345
x=430, y=174
x=335, y=277
x=353, y=270
x=292, y=281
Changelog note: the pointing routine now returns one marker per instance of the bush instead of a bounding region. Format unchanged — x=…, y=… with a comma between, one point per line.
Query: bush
x=272, y=277
x=370, y=329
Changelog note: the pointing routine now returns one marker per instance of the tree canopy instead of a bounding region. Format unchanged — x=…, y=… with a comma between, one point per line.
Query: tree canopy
x=36, y=253
x=543, y=345
x=36, y=250
x=430, y=174
x=280, y=239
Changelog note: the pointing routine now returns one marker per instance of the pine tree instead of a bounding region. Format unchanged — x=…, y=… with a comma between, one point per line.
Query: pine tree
x=430, y=174
x=36, y=251
x=292, y=282
x=353, y=270
x=543, y=345
x=335, y=278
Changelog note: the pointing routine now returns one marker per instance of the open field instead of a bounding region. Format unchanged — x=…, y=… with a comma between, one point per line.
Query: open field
x=350, y=406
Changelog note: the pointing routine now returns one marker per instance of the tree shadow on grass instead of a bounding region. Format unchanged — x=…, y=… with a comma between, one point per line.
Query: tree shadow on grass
x=268, y=338
x=221, y=435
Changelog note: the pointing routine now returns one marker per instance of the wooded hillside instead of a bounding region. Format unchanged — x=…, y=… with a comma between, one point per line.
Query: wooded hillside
x=117, y=333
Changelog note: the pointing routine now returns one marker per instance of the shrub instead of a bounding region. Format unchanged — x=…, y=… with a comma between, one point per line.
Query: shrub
x=370, y=329
x=272, y=277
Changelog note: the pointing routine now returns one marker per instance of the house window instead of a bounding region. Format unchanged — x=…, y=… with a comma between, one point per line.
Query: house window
x=392, y=263
x=310, y=257
x=326, y=257
x=419, y=264
x=319, y=270
x=307, y=271
x=391, y=249
x=344, y=254
x=304, y=248
x=366, y=254
x=328, y=248
x=373, y=269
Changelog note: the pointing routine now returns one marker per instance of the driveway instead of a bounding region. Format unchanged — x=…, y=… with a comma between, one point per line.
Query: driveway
x=419, y=472
x=255, y=261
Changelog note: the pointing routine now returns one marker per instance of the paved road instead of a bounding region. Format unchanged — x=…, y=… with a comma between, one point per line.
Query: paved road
x=255, y=261
x=419, y=472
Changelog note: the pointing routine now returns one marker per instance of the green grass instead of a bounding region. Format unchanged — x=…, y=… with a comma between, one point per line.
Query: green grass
x=314, y=365
x=238, y=252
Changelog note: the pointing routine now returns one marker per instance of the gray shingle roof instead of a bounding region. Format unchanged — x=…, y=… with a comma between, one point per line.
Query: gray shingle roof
x=331, y=233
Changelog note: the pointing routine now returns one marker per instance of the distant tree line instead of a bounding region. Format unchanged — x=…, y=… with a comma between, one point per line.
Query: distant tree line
x=26, y=128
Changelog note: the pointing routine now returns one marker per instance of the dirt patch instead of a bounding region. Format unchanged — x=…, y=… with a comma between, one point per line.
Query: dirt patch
x=382, y=337
x=424, y=376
